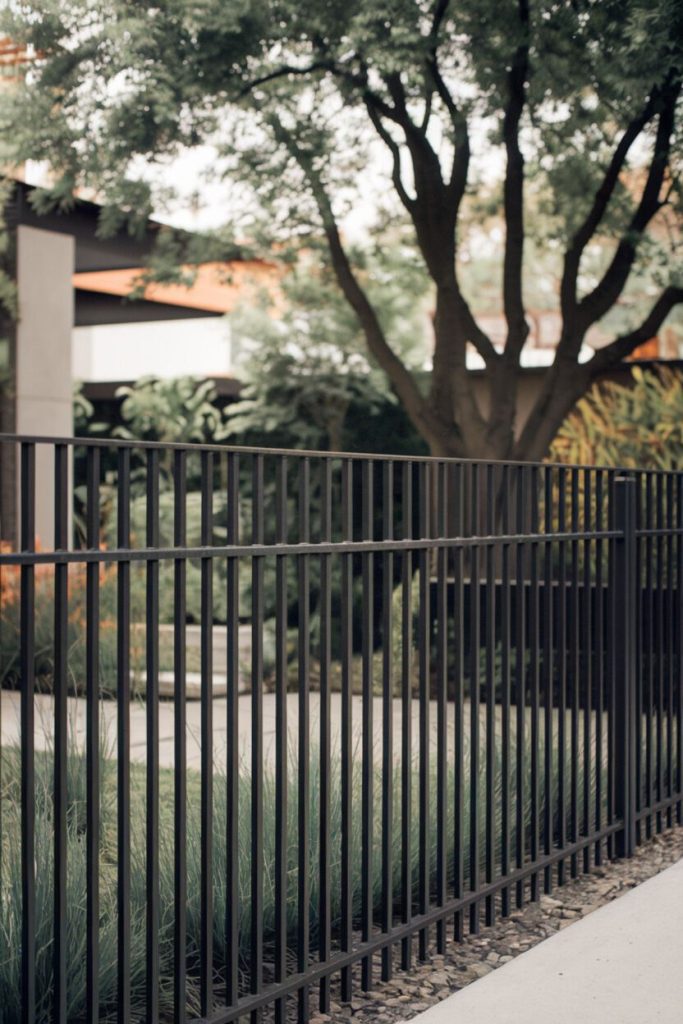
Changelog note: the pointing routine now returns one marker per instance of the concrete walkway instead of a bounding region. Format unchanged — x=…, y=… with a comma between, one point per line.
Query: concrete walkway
x=10, y=725
x=623, y=964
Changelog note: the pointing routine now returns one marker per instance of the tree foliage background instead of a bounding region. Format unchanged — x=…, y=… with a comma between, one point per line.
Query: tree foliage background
x=306, y=373
x=564, y=115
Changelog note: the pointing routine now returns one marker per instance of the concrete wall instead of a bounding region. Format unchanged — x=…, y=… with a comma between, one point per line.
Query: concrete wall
x=528, y=387
x=164, y=348
x=43, y=388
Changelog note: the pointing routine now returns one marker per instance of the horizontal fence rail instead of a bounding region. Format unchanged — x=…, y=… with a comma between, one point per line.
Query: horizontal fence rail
x=276, y=724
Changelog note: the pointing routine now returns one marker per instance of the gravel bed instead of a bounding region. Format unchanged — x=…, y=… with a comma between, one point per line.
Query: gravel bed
x=406, y=995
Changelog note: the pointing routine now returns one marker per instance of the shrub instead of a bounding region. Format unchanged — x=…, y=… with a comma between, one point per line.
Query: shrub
x=634, y=427
x=10, y=628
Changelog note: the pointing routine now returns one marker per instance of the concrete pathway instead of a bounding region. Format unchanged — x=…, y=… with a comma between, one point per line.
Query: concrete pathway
x=623, y=964
x=10, y=725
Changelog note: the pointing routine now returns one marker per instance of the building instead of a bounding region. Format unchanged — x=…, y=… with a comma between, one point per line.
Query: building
x=76, y=322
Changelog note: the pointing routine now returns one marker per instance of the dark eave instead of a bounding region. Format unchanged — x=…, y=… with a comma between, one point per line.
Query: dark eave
x=93, y=308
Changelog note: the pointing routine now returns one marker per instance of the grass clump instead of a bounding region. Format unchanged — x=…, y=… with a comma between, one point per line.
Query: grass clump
x=10, y=877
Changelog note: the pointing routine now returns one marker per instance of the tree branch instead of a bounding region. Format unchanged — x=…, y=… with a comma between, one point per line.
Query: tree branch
x=395, y=151
x=513, y=196
x=612, y=354
x=433, y=39
x=594, y=305
x=585, y=232
x=440, y=9
x=434, y=210
x=564, y=383
x=461, y=142
x=402, y=380
x=474, y=333
x=358, y=81
x=285, y=71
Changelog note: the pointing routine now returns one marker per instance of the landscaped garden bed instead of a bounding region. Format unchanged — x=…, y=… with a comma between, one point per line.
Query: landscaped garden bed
x=10, y=878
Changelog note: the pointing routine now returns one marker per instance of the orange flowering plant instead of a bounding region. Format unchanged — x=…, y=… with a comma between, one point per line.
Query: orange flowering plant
x=44, y=632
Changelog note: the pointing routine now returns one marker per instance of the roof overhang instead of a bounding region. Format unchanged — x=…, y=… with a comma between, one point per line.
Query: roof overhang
x=106, y=269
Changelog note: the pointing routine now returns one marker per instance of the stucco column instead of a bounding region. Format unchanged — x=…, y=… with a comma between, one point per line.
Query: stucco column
x=43, y=385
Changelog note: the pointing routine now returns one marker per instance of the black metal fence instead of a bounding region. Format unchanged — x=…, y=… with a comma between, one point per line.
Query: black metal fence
x=444, y=688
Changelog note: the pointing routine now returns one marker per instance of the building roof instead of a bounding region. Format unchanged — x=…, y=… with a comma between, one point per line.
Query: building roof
x=11, y=53
x=106, y=269
x=217, y=287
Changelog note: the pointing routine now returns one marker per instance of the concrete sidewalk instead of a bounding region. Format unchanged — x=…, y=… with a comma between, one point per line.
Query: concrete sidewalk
x=10, y=725
x=623, y=964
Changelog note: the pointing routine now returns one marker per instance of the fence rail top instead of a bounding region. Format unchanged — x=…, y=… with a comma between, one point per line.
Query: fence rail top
x=188, y=446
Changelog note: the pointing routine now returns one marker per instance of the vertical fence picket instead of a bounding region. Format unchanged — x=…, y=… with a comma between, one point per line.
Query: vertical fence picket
x=423, y=656
x=441, y=698
x=520, y=683
x=206, y=733
x=659, y=645
x=257, y=616
x=648, y=653
x=325, y=801
x=535, y=678
x=599, y=635
x=304, y=801
x=92, y=679
x=387, y=718
x=459, y=700
x=562, y=673
x=490, y=644
x=505, y=696
x=610, y=668
x=281, y=744
x=180, y=740
x=574, y=636
x=548, y=679
x=679, y=646
x=406, y=713
x=640, y=739
x=367, y=753
x=475, y=625
x=232, y=906
x=60, y=683
x=152, y=708
x=347, y=758
x=586, y=663
x=668, y=655
x=123, y=668
x=28, y=781
x=623, y=638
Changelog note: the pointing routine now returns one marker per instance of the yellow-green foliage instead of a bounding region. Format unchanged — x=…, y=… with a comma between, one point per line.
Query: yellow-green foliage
x=617, y=425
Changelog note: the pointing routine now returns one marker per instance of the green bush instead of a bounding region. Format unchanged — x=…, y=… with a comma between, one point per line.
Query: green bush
x=633, y=427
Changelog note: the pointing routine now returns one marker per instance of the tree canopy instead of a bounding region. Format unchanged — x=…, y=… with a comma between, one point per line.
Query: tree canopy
x=305, y=371
x=569, y=106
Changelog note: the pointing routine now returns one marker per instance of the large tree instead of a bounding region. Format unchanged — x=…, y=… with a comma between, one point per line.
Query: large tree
x=571, y=105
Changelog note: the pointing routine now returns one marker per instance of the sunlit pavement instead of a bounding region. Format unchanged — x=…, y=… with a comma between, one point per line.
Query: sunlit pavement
x=623, y=964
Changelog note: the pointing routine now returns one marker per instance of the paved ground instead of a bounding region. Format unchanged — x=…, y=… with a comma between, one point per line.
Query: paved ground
x=620, y=965
x=10, y=727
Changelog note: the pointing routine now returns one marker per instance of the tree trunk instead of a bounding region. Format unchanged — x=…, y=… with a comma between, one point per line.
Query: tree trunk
x=564, y=384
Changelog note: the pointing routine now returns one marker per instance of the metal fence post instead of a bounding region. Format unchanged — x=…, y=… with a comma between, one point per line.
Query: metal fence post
x=623, y=637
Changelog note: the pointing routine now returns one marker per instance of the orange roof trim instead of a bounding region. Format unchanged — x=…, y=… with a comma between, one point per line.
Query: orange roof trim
x=12, y=53
x=217, y=288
